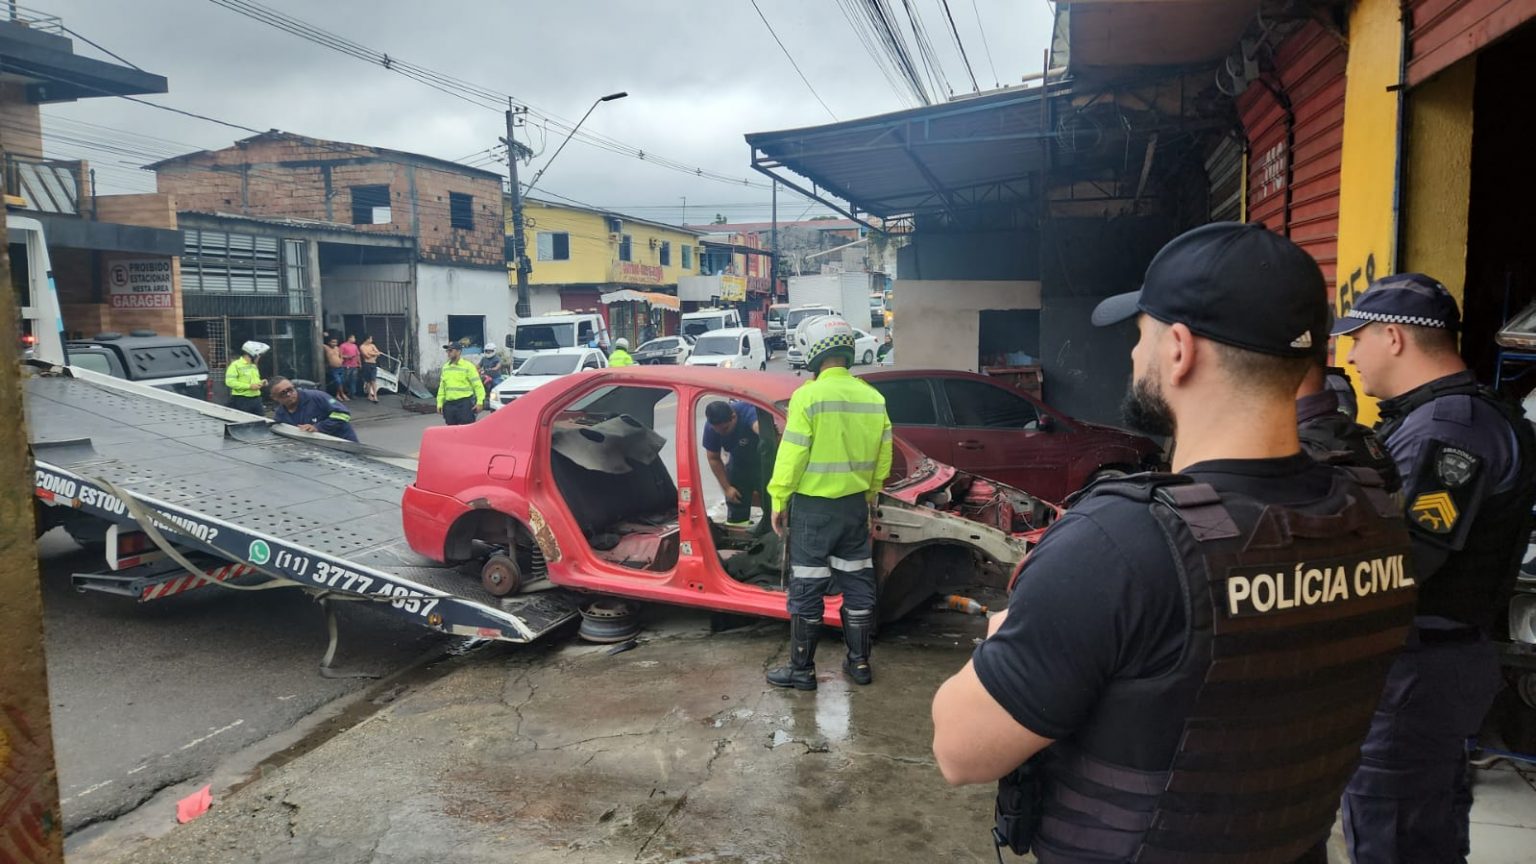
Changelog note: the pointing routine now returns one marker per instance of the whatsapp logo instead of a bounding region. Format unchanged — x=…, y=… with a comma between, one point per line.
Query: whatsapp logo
x=259, y=552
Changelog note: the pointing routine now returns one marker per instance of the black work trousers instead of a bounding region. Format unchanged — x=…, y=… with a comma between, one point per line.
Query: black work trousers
x=830, y=552
x=459, y=412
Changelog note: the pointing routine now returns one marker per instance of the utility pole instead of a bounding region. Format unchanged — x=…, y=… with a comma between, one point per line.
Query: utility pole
x=774, y=240
x=684, y=220
x=519, y=247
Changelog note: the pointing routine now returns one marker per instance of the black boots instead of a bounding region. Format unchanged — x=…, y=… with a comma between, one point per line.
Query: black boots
x=858, y=633
x=801, y=671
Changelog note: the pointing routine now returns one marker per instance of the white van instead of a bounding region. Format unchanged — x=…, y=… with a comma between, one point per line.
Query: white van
x=706, y=320
x=735, y=348
x=546, y=333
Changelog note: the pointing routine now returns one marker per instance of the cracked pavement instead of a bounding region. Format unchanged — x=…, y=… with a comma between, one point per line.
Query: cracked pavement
x=675, y=751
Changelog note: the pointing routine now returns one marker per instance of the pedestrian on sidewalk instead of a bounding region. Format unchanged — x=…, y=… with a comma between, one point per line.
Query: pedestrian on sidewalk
x=1467, y=457
x=369, y=354
x=460, y=392
x=311, y=410
x=351, y=365
x=335, y=375
x=832, y=461
x=1188, y=662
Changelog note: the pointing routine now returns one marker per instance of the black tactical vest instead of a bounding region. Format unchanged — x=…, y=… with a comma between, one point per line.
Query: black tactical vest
x=1293, y=620
x=1335, y=439
x=1473, y=585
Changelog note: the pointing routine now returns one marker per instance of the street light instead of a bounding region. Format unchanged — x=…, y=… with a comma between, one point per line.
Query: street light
x=609, y=98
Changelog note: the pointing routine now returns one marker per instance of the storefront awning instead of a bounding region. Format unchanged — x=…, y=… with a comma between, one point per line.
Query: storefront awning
x=653, y=298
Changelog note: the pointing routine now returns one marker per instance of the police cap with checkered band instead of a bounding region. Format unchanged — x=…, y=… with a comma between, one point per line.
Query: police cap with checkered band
x=1406, y=298
x=1238, y=284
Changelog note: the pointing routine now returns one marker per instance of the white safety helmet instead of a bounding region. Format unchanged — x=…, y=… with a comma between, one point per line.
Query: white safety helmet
x=621, y=342
x=254, y=348
x=489, y=349
x=826, y=336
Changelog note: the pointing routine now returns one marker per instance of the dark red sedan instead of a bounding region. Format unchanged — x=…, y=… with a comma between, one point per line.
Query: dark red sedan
x=985, y=426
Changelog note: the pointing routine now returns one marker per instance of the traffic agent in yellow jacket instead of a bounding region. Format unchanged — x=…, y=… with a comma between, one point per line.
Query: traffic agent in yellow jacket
x=620, y=355
x=460, y=392
x=833, y=459
x=244, y=380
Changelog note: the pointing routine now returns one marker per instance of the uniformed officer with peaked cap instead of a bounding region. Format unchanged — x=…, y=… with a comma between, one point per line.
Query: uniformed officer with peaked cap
x=1189, y=662
x=1468, y=462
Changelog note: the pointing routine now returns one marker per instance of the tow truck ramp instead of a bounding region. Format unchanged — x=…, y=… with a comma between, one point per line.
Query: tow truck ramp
x=255, y=507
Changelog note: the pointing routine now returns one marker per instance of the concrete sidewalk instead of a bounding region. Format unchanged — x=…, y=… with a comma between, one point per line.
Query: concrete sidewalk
x=675, y=751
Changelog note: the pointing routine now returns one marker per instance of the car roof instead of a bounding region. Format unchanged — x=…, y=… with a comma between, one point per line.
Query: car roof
x=767, y=387
x=578, y=350
x=727, y=331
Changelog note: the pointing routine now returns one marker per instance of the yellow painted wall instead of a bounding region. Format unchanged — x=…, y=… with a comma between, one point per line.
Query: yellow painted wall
x=1438, y=181
x=1367, y=230
x=594, y=255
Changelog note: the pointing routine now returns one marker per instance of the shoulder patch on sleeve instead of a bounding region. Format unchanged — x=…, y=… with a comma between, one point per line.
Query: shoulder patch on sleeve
x=1447, y=489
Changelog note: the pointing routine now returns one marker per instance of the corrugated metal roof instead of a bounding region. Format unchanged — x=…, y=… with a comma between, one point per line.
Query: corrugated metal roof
x=963, y=153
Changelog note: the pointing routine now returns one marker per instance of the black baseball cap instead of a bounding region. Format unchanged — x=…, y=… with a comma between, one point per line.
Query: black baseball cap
x=1406, y=298
x=1238, y=284
x=453, y=346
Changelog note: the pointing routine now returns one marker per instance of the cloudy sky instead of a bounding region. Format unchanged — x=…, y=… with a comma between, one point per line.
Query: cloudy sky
x=699, y=75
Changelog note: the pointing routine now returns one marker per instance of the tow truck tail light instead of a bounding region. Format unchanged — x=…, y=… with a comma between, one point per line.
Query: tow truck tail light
x=132, y=542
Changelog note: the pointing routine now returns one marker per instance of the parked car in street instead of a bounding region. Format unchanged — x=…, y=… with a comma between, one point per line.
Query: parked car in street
x=598, y=481
x=736, y=348
x=981, y=424
x=164, y=362
x=542, y=368
x=865, y=347
x=664, y=351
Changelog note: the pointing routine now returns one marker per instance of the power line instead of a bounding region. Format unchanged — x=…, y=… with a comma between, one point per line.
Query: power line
x=480, y=96
x=925, y=49
x=791, y=59
x=868, y=39
x=982, y=28
x=955, y=32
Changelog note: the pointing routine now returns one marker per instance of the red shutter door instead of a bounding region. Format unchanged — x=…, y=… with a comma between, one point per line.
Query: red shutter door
x=1445, y=31
x=1293, y=172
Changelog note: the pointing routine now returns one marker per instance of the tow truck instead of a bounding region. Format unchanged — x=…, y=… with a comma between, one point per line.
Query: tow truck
x=180, y=494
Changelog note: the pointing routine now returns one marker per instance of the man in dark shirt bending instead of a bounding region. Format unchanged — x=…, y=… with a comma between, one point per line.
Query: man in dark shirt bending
x=1188, y=662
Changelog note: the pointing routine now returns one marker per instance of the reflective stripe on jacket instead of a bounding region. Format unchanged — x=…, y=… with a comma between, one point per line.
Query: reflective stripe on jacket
x=460, y=379
x=620, y=357
x=837, y=440
x=243, y=378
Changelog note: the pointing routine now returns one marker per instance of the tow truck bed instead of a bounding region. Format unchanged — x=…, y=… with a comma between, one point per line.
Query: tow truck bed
x=223, y=483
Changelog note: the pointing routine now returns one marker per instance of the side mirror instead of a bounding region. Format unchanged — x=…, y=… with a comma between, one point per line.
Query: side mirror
x=511, y=343
x=1044, y=423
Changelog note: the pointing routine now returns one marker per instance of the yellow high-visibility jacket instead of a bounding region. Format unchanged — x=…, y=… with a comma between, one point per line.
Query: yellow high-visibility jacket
x=836, y=441
x=243, y=378
x=459, y=379
x=620, y=357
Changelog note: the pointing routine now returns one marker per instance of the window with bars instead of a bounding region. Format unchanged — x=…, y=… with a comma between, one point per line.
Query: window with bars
x=461, y=211
x=687, y=257
x=626, y=248
x=219, y=262
x=664, y=257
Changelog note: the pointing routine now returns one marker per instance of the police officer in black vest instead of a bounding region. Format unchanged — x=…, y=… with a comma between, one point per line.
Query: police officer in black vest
x=1325, y=422
x=1468, y=461
x=1189, y=662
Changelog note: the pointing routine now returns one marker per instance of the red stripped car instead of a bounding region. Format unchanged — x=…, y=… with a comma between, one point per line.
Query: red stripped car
x=598, y=481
